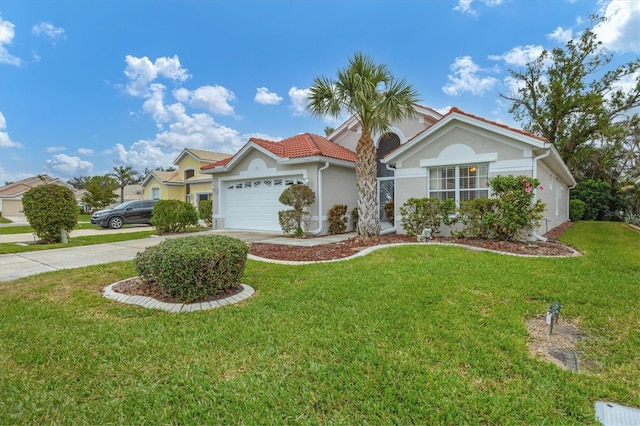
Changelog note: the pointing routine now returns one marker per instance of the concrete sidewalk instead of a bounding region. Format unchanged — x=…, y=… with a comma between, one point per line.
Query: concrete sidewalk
x=18, y=265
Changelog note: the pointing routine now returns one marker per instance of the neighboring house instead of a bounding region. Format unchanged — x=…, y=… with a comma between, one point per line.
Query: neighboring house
x=11, y=194
x=187, y=183
x=429, y=155
x=131, y=192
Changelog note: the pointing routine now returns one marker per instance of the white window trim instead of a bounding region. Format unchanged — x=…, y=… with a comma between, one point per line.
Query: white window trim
x=457, y=188
x=153, y=188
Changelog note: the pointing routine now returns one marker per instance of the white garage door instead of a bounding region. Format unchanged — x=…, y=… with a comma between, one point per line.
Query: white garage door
x=253, y=204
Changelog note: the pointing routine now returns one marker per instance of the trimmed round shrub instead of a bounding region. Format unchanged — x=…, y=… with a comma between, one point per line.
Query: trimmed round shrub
x=420, y=213
x=576, y=210
x=171, y=216
x=49, y=209
x=192, y=268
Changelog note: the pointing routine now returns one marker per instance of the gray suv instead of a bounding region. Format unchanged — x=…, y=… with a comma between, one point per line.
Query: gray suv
x=129, y=212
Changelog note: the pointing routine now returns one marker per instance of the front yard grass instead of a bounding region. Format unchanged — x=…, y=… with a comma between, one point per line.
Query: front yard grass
x=24, y=229
x=409, y=335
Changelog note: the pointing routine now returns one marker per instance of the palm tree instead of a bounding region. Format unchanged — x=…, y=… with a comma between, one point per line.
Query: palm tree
x=126, y=175
x=376, y=99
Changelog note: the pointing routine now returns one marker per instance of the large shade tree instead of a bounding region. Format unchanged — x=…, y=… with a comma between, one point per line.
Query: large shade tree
x=585, y=108
x=125, y=175
x=372, y=94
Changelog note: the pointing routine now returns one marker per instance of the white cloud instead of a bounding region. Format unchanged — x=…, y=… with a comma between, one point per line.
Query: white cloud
x=443, y=110
x=5, y=140
x=47, y=29
x=464, y=6
x=265, y=97
x=465, y=78
x=259, y=135
x=214, y=99
x=620, y=31
x=561, y=35
x=67, y=166
x=56, y=149
x=519, y=56
x=198, y=131
x=7, y=33
x=299, y=100
x=86, y=151
x=141, y=72
x=145, y=154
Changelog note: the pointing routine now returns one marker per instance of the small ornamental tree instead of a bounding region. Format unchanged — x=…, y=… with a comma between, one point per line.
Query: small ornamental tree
x=50, y=210
x=100, y=192
x=299, y=197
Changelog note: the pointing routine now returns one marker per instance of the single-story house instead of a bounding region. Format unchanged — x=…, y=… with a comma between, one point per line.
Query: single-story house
x=247, y=186
x=187, y=183
x=429, y=155
x=11, y=194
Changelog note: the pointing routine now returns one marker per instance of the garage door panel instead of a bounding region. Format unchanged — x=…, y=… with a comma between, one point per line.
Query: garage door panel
x=254, y=204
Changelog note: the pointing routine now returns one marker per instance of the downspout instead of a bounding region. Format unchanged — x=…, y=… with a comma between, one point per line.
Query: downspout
x=319, y=229
x=535, y=176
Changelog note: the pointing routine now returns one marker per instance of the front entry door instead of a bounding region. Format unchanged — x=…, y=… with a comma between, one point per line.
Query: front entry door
x=386, y=194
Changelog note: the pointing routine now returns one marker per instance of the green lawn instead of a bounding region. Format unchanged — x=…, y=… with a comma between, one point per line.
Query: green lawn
x=7, y=248
x=24, y=229
x=406, y=335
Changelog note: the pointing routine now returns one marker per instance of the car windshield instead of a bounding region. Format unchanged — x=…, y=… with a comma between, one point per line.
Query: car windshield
x=123, y=205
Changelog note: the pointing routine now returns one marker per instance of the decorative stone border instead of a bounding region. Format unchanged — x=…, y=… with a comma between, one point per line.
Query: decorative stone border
x=151, y=303
x=574, y=253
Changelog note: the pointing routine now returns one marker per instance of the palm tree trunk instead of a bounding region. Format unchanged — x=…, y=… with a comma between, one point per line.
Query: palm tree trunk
x=366, y=183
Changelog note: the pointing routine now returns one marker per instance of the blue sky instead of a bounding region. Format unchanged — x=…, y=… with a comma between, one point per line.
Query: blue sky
x=88, y=85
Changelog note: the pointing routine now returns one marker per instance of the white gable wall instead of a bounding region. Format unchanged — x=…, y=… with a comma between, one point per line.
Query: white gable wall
x=460, y=144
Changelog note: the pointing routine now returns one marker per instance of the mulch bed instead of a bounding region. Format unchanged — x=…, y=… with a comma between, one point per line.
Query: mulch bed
x=351, y=246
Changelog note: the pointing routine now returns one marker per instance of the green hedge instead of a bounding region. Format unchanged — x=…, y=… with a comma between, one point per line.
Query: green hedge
x=191, y=268
x=420, y=213
x=205, y=211
x=171, y=216
x=576, y=210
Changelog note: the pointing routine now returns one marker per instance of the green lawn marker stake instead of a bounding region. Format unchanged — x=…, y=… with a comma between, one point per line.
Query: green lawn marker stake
x=552, y=315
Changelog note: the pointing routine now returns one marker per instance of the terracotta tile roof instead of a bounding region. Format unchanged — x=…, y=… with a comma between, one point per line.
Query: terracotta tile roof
x=216, y=164
x=494, y=123
x=306, y=145
x=299, y=146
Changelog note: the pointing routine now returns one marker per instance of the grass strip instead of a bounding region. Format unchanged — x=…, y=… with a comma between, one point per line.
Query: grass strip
x=7, y=248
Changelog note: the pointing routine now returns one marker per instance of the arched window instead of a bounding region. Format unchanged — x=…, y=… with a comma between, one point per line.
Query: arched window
x=388, y=142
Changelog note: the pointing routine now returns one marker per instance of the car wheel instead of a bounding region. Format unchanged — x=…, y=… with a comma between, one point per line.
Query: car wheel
x=116, y=223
